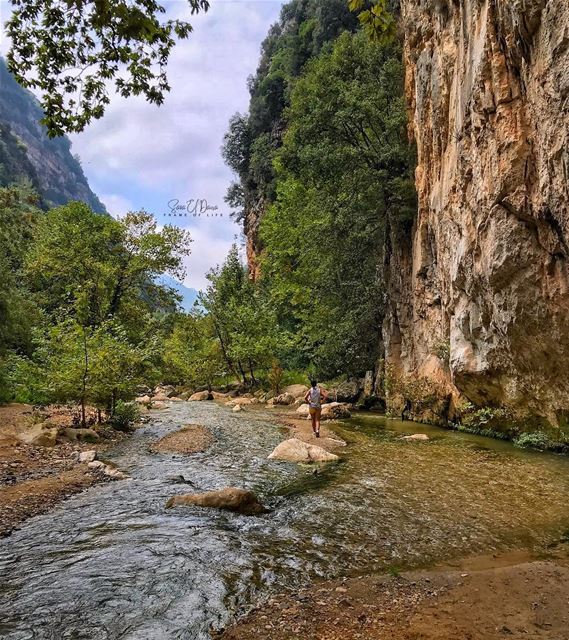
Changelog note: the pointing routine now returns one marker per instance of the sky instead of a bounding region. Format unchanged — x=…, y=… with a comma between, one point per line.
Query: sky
x=142, y=156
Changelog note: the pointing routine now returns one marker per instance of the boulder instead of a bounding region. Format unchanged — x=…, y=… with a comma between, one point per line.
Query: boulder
x=88, y=456
x=296, y=390
x=303, y=410
x=159, y=405
x=235, y=401
x=416, y=436
x=200, y=396
x=230, y=498
x=295, y=450
x=167, y=390
x=217, y=395
x=108, y=469
x=160, y=397
x=175, y=399
x=335, y=411
x=95, y=464
x=237, y=408
x=143, y=400
x=39, y=436
x=284, y=398
x=347, y=391
x=81, y=435
x=255, y=401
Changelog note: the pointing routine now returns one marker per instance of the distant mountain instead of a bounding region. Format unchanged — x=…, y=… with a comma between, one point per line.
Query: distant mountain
x=189, y=296
x=27, y=153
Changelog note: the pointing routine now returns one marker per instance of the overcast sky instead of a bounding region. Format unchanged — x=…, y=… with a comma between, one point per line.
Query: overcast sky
x=143, y=156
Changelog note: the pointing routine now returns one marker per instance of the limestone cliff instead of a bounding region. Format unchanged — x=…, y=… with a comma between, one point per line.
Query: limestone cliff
x=27, y=152
x=480, y=301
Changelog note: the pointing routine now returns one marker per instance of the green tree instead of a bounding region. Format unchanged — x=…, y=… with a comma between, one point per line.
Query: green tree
x=345, y=185
x=192, y=354
x=98, y=268
x=73, y=52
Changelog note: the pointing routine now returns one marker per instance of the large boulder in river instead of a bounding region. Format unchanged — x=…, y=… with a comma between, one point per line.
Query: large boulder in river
x=230, y=498
x=295, y=450
x=199, y=396
x=335, y=411
x=284, y=398
x=416, y=437
x=143, y=400
x=160, y=397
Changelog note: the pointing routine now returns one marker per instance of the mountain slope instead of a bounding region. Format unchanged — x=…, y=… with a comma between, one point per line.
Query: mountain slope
x=27, y=152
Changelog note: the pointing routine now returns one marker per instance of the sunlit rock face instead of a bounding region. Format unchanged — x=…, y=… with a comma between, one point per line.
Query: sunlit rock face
x=479, y=296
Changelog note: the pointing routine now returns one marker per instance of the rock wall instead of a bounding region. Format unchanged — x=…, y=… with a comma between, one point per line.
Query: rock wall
x=480, y=301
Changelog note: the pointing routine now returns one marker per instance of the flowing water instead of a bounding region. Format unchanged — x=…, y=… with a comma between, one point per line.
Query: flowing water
x=113, y=563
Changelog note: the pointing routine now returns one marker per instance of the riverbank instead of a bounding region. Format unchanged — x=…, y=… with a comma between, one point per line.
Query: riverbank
x=525, y=600
x=35, y=478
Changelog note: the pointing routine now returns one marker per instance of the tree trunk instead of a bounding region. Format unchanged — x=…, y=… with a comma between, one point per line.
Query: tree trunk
x=242, y=372
x=251, y=371
x=84, y=381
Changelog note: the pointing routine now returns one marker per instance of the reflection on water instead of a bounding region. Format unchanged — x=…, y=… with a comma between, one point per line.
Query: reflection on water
x=113, y=563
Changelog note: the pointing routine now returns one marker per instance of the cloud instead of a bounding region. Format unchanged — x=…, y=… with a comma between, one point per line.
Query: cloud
x=141, y=156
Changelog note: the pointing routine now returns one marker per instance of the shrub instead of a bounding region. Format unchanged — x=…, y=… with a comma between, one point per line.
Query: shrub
x=125, y=415
x=535, y=440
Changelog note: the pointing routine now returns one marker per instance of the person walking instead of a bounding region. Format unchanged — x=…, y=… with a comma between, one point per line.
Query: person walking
x=315, y=396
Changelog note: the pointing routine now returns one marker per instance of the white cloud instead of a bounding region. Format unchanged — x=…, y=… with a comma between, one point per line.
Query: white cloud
x=140, y=155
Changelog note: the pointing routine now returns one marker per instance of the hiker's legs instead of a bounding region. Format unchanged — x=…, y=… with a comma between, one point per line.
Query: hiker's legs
x=313, y=417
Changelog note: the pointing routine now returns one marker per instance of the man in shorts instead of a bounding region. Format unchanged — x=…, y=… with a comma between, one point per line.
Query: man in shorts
x=315, y=396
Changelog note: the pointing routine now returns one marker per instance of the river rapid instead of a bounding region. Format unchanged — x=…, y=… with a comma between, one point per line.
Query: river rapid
x=113, y=563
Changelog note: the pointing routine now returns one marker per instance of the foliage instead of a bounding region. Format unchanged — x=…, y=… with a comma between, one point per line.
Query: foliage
x=126, y=414
x=242, y=319
x=535, y=440
x=275, y=377
x=344, y=182
x=71, y=53
x=377, y=18
x=192, y=355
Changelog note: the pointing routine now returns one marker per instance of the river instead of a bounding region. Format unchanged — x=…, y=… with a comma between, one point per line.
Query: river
x=113, y=563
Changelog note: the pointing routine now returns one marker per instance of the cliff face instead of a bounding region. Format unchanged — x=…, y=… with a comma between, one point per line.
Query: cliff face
x=49, y=164
x=480, y=302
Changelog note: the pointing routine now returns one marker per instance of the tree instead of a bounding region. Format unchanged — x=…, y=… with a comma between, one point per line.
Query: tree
x=71, y=52
x=344, y=184
x=243, y=322
x=192, y=354
x=98, y=268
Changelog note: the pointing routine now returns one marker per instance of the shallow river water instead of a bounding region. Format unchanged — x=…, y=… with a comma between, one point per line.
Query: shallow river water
x=113, y=563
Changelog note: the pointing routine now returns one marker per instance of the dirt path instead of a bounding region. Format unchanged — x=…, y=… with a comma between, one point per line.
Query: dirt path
x=528, y=600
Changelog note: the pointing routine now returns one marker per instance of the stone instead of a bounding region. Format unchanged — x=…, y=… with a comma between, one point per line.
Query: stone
x=184, y=395
x=166, y=390
x=237, y=408
x=143, y=400
x=217, y=395
x=335, y=411
x=87, y=456
x=296, y=390
x=95, y=464
x=159, y=405
x=175, y=399
x=347, y=391
x=416, y=436
x=295, y=450
x=303, y=410
x=199, y=396
x=39, y=436
x=230, y=498
x=284, y=398
x=81, y=435
x=160, y=397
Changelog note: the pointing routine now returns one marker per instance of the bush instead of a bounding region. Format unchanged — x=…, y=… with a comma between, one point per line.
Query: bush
x=125, y=415
x=535, y=440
